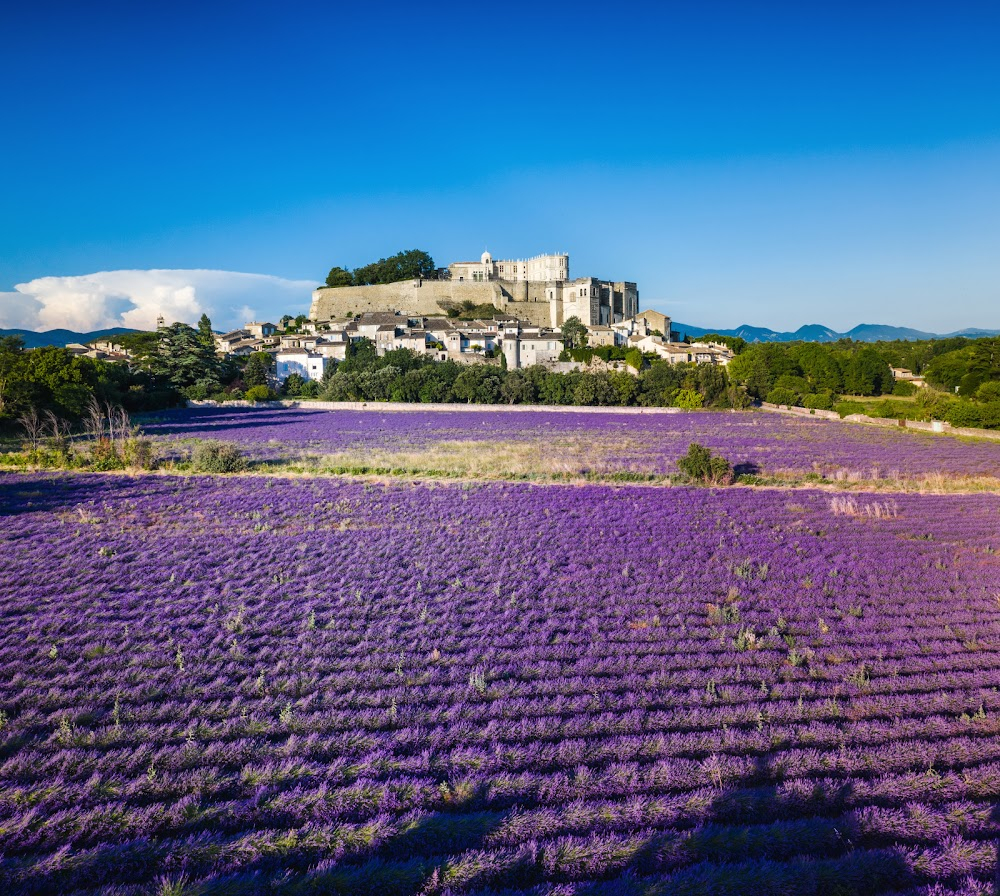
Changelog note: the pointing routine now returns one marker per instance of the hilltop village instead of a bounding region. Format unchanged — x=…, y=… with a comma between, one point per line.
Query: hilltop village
x=525, y=309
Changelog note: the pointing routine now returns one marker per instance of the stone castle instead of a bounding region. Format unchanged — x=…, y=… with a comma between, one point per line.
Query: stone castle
x=537, y=290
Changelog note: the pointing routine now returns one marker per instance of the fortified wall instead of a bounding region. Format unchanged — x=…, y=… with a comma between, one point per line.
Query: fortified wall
x=431, y=298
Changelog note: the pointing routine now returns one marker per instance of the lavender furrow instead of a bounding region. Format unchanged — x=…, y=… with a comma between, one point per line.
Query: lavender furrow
x=323, y=686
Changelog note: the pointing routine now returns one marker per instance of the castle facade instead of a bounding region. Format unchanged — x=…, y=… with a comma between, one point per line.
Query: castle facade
x=536, y=290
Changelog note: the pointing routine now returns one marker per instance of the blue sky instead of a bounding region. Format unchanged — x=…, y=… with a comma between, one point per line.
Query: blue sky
x=773, y=164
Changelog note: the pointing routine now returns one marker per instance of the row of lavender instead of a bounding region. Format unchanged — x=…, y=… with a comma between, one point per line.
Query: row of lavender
x=263, y=686
x=753, y=440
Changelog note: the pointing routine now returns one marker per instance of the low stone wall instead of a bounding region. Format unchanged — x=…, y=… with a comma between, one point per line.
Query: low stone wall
x=938, y=426
x=794, y=411
x=403, y=406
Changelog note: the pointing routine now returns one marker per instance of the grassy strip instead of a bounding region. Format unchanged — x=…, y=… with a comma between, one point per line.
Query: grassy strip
x=565, y=461
x=935, y=484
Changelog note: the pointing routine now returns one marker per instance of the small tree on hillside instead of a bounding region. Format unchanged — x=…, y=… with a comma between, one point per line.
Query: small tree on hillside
x=257, y=369
x=205, y=333
x=339, y=277
x=574, y=333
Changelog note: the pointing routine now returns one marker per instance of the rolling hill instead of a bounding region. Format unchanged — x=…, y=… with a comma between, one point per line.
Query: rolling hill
x=33, y=339
x=819, y=333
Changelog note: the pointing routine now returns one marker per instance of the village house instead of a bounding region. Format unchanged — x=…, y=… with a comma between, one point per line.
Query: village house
x=307, y=364
x=92, y=351
x=902, y=375
x=526, y=345
x=260, y=330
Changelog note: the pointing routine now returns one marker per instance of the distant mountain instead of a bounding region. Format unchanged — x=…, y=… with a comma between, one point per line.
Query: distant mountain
x=62, y=337
x=819, y=333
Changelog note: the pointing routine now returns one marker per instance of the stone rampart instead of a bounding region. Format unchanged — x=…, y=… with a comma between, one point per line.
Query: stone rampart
x=431, y=298
x=423, y=297
x=537, y=313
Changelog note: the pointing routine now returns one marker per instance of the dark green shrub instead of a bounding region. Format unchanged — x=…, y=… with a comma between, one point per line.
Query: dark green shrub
x=822, y=401
x=964, y=413
x=989, y=392
x=782, y=395
x=891, y=410
x=259, y=393
x=990, y=415
x=104, y=456
x=904, y=388
x=688, y=399
x=844, y=408
x=138, y=453
x=217, y=457
x=700, y=466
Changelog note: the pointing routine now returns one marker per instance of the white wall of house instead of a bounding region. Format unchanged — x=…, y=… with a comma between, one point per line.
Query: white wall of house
x=307, y=365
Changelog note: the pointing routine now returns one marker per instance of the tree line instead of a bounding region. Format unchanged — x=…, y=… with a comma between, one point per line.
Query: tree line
x=963, y=377
x=411, y=264
x=166, y=367
x=404, y=375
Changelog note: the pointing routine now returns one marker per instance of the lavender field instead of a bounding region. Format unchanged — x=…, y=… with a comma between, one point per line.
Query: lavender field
x=253, y=685
x=584, y=442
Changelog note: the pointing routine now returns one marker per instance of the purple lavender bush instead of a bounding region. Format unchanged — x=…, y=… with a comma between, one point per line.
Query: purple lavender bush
x=270, y=686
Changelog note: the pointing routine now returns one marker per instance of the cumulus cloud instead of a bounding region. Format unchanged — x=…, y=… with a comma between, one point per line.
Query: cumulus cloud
x=136, y=298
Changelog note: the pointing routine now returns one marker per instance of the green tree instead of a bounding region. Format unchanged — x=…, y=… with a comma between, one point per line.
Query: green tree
x=257, y=369
x=751, y=370
x=713, y=384
x=659, y=383
x=293, y=385
x=736, y=343
x=478, y=383
x=627, y=387
x=413, y=264
x=339, y=277
x=688, y=398
x=574, y=333
x=782, y=395
x=359, y=355
x=989, y=391
x=595, y=389
x=141, y=346
x=866, y=373
x=517, y=388
x=183, y=359
x=205, y=331
x=13, y=387
x=819, y=367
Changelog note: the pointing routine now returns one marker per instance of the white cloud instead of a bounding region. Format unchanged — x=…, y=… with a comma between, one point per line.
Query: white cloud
x=136, y=298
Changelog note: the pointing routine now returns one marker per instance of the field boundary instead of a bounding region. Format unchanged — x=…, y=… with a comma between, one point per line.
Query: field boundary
x=934, y=426
x=410, y=406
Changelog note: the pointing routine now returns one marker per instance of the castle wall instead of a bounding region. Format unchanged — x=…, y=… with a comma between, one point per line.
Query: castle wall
x=537, y=313
x=422, y=297
x=543, y=304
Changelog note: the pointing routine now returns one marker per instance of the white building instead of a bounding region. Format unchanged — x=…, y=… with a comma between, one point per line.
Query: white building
x=539, y=269
x=307, y=364
x=595, y=302
x=526, y=345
